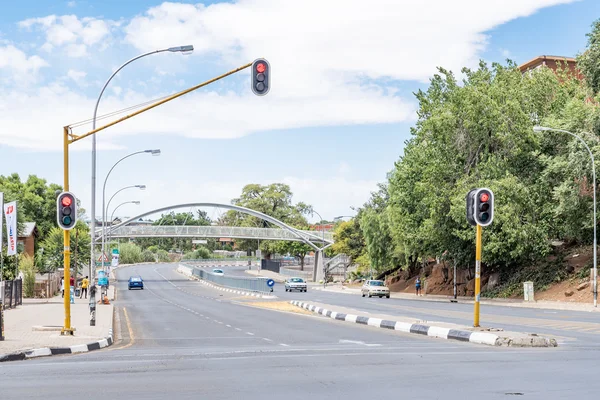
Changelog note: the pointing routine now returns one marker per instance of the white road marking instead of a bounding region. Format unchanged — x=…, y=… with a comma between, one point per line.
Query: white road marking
x=284, y=345
x=250, y=333
x=237, y=329
x=267, y=339
x=229, y=326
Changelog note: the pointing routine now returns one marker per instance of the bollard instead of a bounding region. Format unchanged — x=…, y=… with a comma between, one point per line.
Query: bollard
x=72, y=295
x=93, y=305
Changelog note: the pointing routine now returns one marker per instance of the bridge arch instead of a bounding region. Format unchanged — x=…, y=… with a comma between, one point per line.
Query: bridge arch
x=300, y=235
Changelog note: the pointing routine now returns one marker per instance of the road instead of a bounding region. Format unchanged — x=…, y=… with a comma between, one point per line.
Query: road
x=182, y=340
x=570, y=327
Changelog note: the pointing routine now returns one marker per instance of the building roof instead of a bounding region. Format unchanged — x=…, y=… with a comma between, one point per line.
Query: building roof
x=540, y=59
x=29, y=228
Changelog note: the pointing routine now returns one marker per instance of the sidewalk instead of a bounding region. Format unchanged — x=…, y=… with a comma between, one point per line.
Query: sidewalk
x=37, y=324
x=442, y=330
x=546, y=305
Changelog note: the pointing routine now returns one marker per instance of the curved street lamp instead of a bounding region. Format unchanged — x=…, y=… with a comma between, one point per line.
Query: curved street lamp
x=141, y=187
x=136, y=202
x=155, y=152
x=545, y=129
x=187, y=49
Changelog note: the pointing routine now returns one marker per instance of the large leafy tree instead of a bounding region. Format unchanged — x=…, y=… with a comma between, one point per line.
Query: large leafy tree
x=588, y=62
x=479, y=133
x=53, y=245
x=274, y=200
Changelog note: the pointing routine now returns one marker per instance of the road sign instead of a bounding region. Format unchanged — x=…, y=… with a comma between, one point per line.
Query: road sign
x=115, y=251
x=270, y=283
x=102, y=257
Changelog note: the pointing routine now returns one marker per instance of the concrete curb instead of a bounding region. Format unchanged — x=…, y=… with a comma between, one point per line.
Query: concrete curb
x=489, y=339
x=53, y=351
x=181, y=269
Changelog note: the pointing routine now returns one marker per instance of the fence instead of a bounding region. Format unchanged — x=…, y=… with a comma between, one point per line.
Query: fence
x=13, y=293
x=250, y=284
x=270, y=265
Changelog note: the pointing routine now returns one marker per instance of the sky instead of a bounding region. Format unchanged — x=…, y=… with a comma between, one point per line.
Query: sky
x=338, y=113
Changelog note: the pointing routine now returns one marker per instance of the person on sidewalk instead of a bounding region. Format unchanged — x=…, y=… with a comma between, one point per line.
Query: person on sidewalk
x=84, y=287
x=62, y=287
x=418, y=285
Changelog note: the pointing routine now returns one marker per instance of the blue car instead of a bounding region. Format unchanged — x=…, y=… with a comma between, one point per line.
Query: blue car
x=136, y=282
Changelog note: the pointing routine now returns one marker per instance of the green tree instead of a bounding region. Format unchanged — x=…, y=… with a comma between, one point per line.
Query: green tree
x=295, y=249
x=348, y=239
x=588, y=62
x=52, y=257
x=274, y=200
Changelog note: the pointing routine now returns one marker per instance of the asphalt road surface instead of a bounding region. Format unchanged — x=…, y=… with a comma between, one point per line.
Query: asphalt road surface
x=570, y=327
x=182, y=340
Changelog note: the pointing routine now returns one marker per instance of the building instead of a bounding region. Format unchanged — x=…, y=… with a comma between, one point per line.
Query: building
x=552, y=62
x=27, y=237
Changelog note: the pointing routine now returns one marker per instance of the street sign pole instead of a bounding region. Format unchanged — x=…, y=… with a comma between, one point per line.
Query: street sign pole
x=477, y=275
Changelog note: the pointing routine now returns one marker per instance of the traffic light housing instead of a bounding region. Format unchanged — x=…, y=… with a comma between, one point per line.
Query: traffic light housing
x=471, y=207
x=261, y=76
x=66, y=210
x=483, y=207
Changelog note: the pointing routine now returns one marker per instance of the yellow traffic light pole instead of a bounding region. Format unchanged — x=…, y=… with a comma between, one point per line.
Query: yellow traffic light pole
x=477, y=275
x=69, y=138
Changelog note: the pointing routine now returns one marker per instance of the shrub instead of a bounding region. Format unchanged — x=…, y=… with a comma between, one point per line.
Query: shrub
x=27, y=266
x=163, y=256
x=130, y=253
x=148, y=256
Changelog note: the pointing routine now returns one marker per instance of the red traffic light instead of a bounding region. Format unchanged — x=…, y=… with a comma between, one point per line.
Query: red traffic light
x=66, y=201
x=260, y=67
x=484, y=197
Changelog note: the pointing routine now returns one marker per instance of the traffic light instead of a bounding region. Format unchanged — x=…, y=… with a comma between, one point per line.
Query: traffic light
x=484, y=206
x=66, y=205
x=261, y=77
x=471, y=207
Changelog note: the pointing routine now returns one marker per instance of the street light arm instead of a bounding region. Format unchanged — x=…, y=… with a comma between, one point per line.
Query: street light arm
x=117, y=192
x=122, y=204
x=115, y=73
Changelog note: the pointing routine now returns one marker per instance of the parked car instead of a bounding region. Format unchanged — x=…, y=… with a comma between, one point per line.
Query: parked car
x=375, y=288
x=295, y=284
x=136, y=282
x=218, y=272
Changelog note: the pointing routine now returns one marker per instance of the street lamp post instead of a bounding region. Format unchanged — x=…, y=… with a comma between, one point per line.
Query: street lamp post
x=141, y=187
x=178, y=49
x=154, y=153
x=545, y=129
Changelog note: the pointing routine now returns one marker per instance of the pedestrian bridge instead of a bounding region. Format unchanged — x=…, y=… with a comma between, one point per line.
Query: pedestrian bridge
x=234, y=232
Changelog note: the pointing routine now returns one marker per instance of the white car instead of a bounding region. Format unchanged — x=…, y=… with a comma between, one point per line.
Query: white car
x=218, y=272
x=375, y=288
x=295, y=284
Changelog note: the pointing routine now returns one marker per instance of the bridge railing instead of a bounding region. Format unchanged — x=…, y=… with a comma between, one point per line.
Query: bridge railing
x=258, y=285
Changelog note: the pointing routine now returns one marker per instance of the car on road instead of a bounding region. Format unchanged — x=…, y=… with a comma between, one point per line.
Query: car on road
x=295, y=284
x=218, y=272
x=135, y=282
x=375, y=288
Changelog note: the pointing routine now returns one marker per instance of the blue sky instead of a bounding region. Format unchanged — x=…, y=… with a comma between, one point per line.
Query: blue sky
x=337, y=117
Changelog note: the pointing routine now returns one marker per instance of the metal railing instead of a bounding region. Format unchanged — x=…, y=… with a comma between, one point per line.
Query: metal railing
x=234, y=282
x=195, y=231
x=13, y=293
x=306, y=274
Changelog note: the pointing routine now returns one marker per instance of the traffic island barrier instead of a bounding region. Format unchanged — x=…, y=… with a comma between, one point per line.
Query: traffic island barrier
x=462, y=335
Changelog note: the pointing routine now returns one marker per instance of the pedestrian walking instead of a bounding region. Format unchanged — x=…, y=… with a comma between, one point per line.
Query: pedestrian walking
x=62, y=286
x=418, y=285
x=84, y=287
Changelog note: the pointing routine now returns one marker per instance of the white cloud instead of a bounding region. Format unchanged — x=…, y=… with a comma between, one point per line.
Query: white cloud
x=320, y=59
x=22, y=68
x=71, y=4
x=505, y=52
x=70, y=31
x=76, y=76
